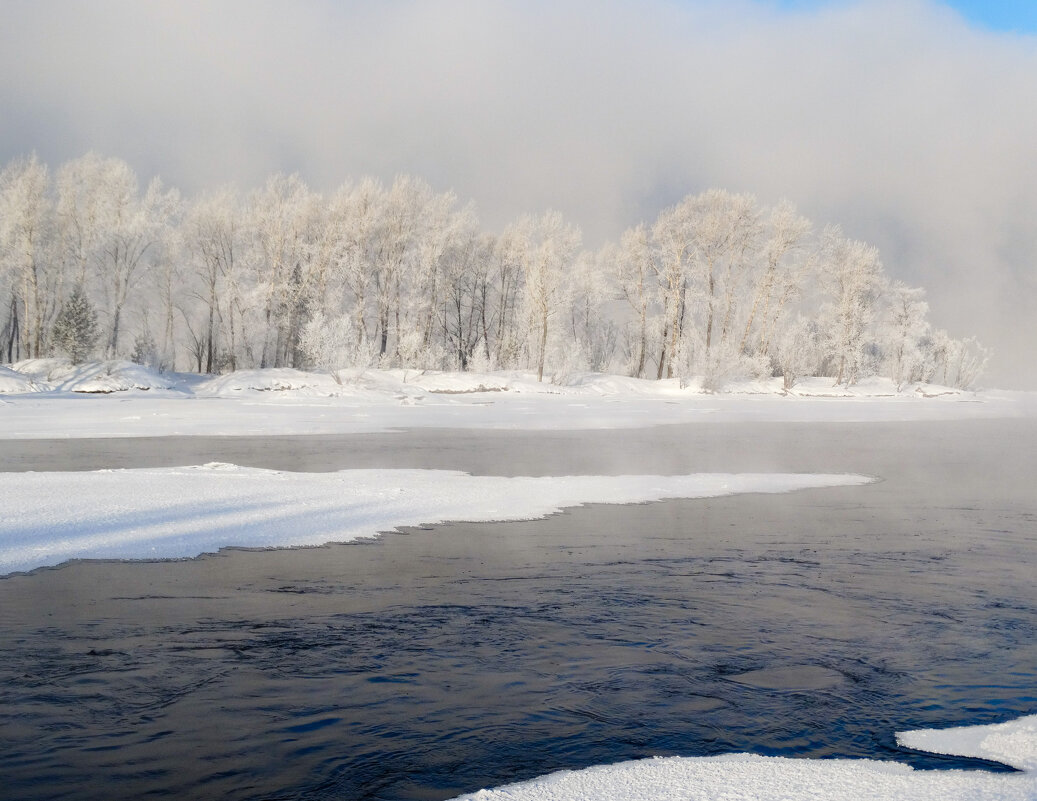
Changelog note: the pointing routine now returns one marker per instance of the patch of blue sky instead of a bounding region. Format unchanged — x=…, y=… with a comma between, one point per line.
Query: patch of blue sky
x=1019, y=16
x=1016, y=16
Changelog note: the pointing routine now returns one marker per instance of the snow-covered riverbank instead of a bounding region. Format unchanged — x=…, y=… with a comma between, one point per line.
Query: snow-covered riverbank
x=49, y=398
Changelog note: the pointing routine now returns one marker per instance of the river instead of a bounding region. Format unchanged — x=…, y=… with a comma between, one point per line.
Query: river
x=435, y=661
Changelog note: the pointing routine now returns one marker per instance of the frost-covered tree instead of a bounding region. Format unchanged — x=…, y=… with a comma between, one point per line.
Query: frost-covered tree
x=594, y=334
x=781, y=272
x=852, y=279
x=549, y=247
x=75, y=329
x=465, y=296
x=905, y=333
x=502, y=329
x=672, y=236
x=212, y=237
x=962, y=363
x=634, y=265
x=705, y=251
x=445, y=234
x=394, y=254
x=331, y=343
x=277, y=222
x=81, y=200
x=26, y=255
x=728, y=235
x=111, y=227
x=797, y=350
x=403, y=276
x=354, y=219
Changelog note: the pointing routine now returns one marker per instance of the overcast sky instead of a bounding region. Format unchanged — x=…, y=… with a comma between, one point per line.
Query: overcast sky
x=911, y=124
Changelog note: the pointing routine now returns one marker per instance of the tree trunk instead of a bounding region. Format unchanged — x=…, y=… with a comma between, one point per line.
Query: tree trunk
x=662, y=357
x=543, y=348
x=709, y=313
x=210, y=336
x=113, y=340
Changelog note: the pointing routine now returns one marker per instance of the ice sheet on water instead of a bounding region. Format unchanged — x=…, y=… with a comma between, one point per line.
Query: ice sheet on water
x=49, y=518
x=744, y=777
x=1013, y=743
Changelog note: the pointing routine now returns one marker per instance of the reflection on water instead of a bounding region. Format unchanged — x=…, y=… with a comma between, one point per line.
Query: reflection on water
x=433, y=662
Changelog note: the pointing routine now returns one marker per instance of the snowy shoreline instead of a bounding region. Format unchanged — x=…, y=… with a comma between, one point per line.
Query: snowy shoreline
x=51, y=399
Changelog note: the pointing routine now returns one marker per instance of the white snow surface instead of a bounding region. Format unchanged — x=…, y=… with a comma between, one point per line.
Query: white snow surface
x=745, y=777
x=50, y=398
x=49, y=518
x=60, y=376
x=14, y=382
x=284, y=380
x=1013, y=743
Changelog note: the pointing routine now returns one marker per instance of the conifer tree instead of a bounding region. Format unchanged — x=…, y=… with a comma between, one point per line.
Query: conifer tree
x=75, y=330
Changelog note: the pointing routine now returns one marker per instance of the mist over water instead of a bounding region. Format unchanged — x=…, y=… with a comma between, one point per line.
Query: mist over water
x=432, y=662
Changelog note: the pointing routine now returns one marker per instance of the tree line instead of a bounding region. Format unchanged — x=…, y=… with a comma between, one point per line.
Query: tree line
x=717, y=286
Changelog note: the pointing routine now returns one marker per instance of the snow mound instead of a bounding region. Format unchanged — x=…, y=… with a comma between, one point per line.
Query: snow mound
x=441, y=382
x=615, y=385
x=604, y=384
x=107, y=377
x=460, y=383
x=745, y=777
x=61, y=375
x=279, y=380
x=14, y=382
x=874, y=387
x=43, y=370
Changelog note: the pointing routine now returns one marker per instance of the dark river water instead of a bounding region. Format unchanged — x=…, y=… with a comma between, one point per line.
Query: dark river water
x=432, y=662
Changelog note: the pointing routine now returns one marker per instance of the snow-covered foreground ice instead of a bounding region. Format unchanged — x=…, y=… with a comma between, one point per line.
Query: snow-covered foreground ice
x=49, y=518
x=745, y=777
